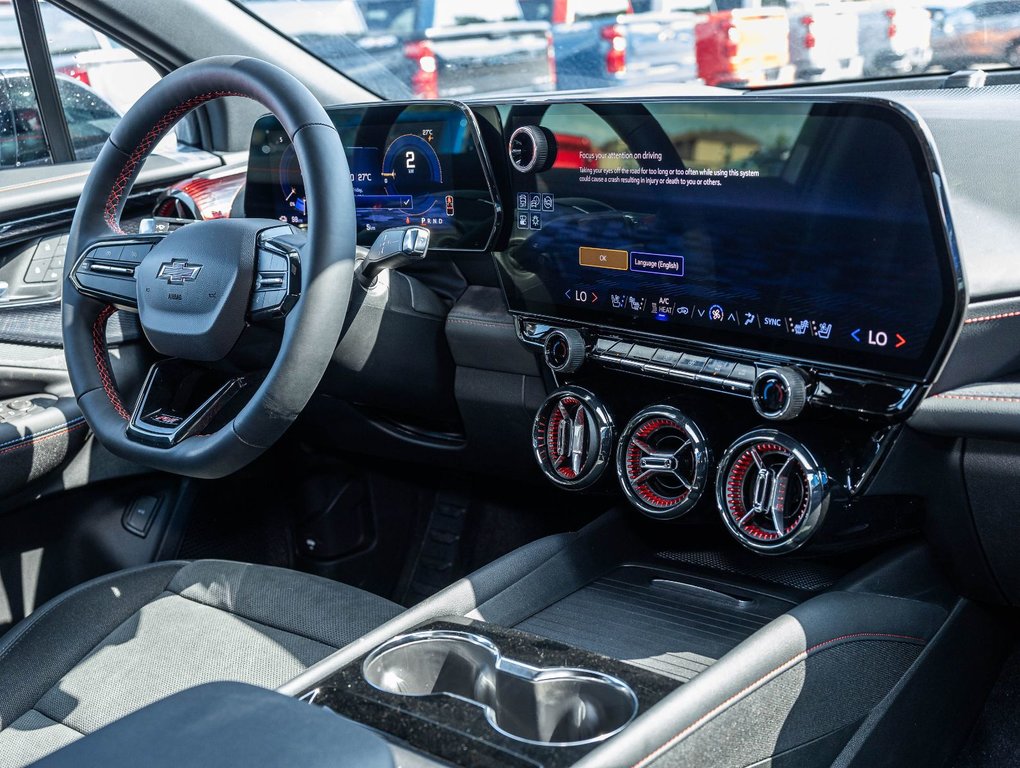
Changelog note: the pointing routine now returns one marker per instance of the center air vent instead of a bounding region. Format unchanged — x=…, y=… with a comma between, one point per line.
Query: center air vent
x=772, y=494
x=663, y=462
x=572, y=437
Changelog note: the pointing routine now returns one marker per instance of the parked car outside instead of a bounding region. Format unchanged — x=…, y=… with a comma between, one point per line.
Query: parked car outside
x=744, y=46
x=824, y=41
x=600, y=43
x=894, y=37
x=985, y=32
x=456, y=48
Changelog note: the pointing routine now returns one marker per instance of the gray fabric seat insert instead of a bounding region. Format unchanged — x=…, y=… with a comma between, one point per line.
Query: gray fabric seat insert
x=120, y=642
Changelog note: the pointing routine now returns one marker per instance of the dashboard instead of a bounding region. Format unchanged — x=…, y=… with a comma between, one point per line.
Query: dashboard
x=800, y=229
x=661, y=256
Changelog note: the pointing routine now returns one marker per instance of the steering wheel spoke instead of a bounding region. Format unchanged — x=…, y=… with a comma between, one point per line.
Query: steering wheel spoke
x=105, y=270
x=277, y=274
x=180, y=399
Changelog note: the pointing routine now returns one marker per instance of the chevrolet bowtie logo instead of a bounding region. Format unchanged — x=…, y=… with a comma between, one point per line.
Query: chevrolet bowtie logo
x=178, y=271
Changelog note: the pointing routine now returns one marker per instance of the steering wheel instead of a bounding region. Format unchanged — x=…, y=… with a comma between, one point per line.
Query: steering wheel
x=200, y=289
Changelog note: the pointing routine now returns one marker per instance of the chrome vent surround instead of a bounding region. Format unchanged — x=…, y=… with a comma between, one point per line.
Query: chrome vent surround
x=772, y=493
x=663, y=462
x=572, y=437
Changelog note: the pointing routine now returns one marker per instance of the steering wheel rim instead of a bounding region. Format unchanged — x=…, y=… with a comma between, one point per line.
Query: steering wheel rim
x=326, y=265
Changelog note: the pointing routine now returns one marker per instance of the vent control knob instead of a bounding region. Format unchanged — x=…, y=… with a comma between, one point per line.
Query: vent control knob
x=779, y=394
x=564, y=350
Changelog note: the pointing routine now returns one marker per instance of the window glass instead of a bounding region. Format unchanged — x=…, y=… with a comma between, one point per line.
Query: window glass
x=22, y=141
x=98, y=80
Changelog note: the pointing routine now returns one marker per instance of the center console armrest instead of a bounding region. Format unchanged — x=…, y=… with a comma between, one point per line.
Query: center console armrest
x=227, y=725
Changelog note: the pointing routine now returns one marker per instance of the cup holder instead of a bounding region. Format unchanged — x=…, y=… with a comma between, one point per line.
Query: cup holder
x=556, y=706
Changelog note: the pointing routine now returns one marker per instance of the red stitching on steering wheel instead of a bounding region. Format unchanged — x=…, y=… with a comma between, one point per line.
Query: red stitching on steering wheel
x=103, y=361
x=165, y=123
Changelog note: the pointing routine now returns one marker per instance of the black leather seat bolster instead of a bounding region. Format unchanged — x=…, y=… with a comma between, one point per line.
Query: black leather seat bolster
x=809, y=677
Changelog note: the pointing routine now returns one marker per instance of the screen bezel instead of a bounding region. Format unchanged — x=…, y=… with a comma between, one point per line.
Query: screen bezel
x=923, y=369
x=259, y=204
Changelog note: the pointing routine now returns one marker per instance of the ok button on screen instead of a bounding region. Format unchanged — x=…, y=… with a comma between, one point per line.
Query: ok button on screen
x=604, y=258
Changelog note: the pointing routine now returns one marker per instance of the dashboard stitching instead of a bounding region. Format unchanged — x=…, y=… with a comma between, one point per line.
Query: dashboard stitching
x=122, y=182
x=803, y=655
x=103, y=361
x=35, y=439
x=987, y=318
x=453, y=319
x=989, y=398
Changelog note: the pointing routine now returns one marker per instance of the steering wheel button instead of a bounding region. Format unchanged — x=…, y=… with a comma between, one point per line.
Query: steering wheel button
x=134, y=253
x=275, y=299
x=108, y=252
x=269, y=282
x=272, y=262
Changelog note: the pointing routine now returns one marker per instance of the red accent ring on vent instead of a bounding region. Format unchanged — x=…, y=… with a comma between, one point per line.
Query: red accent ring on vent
x=633, y=465
x=552, y=431
x=735, y=505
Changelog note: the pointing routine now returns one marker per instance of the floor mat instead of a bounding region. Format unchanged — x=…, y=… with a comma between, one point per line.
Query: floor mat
x=995, y=742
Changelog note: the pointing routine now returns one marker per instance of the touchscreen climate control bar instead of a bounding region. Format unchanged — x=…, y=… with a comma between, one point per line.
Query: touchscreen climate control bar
x=778, y=391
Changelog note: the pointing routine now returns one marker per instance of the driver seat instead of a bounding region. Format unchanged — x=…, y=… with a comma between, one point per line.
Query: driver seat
x=115, y=644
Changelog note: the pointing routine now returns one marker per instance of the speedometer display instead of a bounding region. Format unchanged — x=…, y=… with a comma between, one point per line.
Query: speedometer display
x=409, y=164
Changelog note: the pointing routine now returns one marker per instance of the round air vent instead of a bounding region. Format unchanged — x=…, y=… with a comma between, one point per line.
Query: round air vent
x=663, y=462
x=572, y=437
x=772, y=494
x=530, y=150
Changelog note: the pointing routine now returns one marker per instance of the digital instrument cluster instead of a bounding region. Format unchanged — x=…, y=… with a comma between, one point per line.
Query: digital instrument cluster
x=802, y=230
x=419, y=164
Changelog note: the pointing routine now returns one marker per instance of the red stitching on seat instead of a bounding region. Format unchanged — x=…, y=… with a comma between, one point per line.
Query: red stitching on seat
x=103, y=361
x=164, y=124
x=656, y=754
x=47, y=436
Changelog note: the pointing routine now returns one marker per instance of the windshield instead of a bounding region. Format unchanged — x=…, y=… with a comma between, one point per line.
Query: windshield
x=403, y=49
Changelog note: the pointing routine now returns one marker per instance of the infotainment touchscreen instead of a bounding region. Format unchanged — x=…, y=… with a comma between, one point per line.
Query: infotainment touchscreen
x=409, y=164
x=802, y=228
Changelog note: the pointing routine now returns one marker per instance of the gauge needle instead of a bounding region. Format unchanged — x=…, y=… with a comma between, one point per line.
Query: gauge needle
x=392, y=175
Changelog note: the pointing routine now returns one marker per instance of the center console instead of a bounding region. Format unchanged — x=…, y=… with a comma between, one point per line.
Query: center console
x=616, y=644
